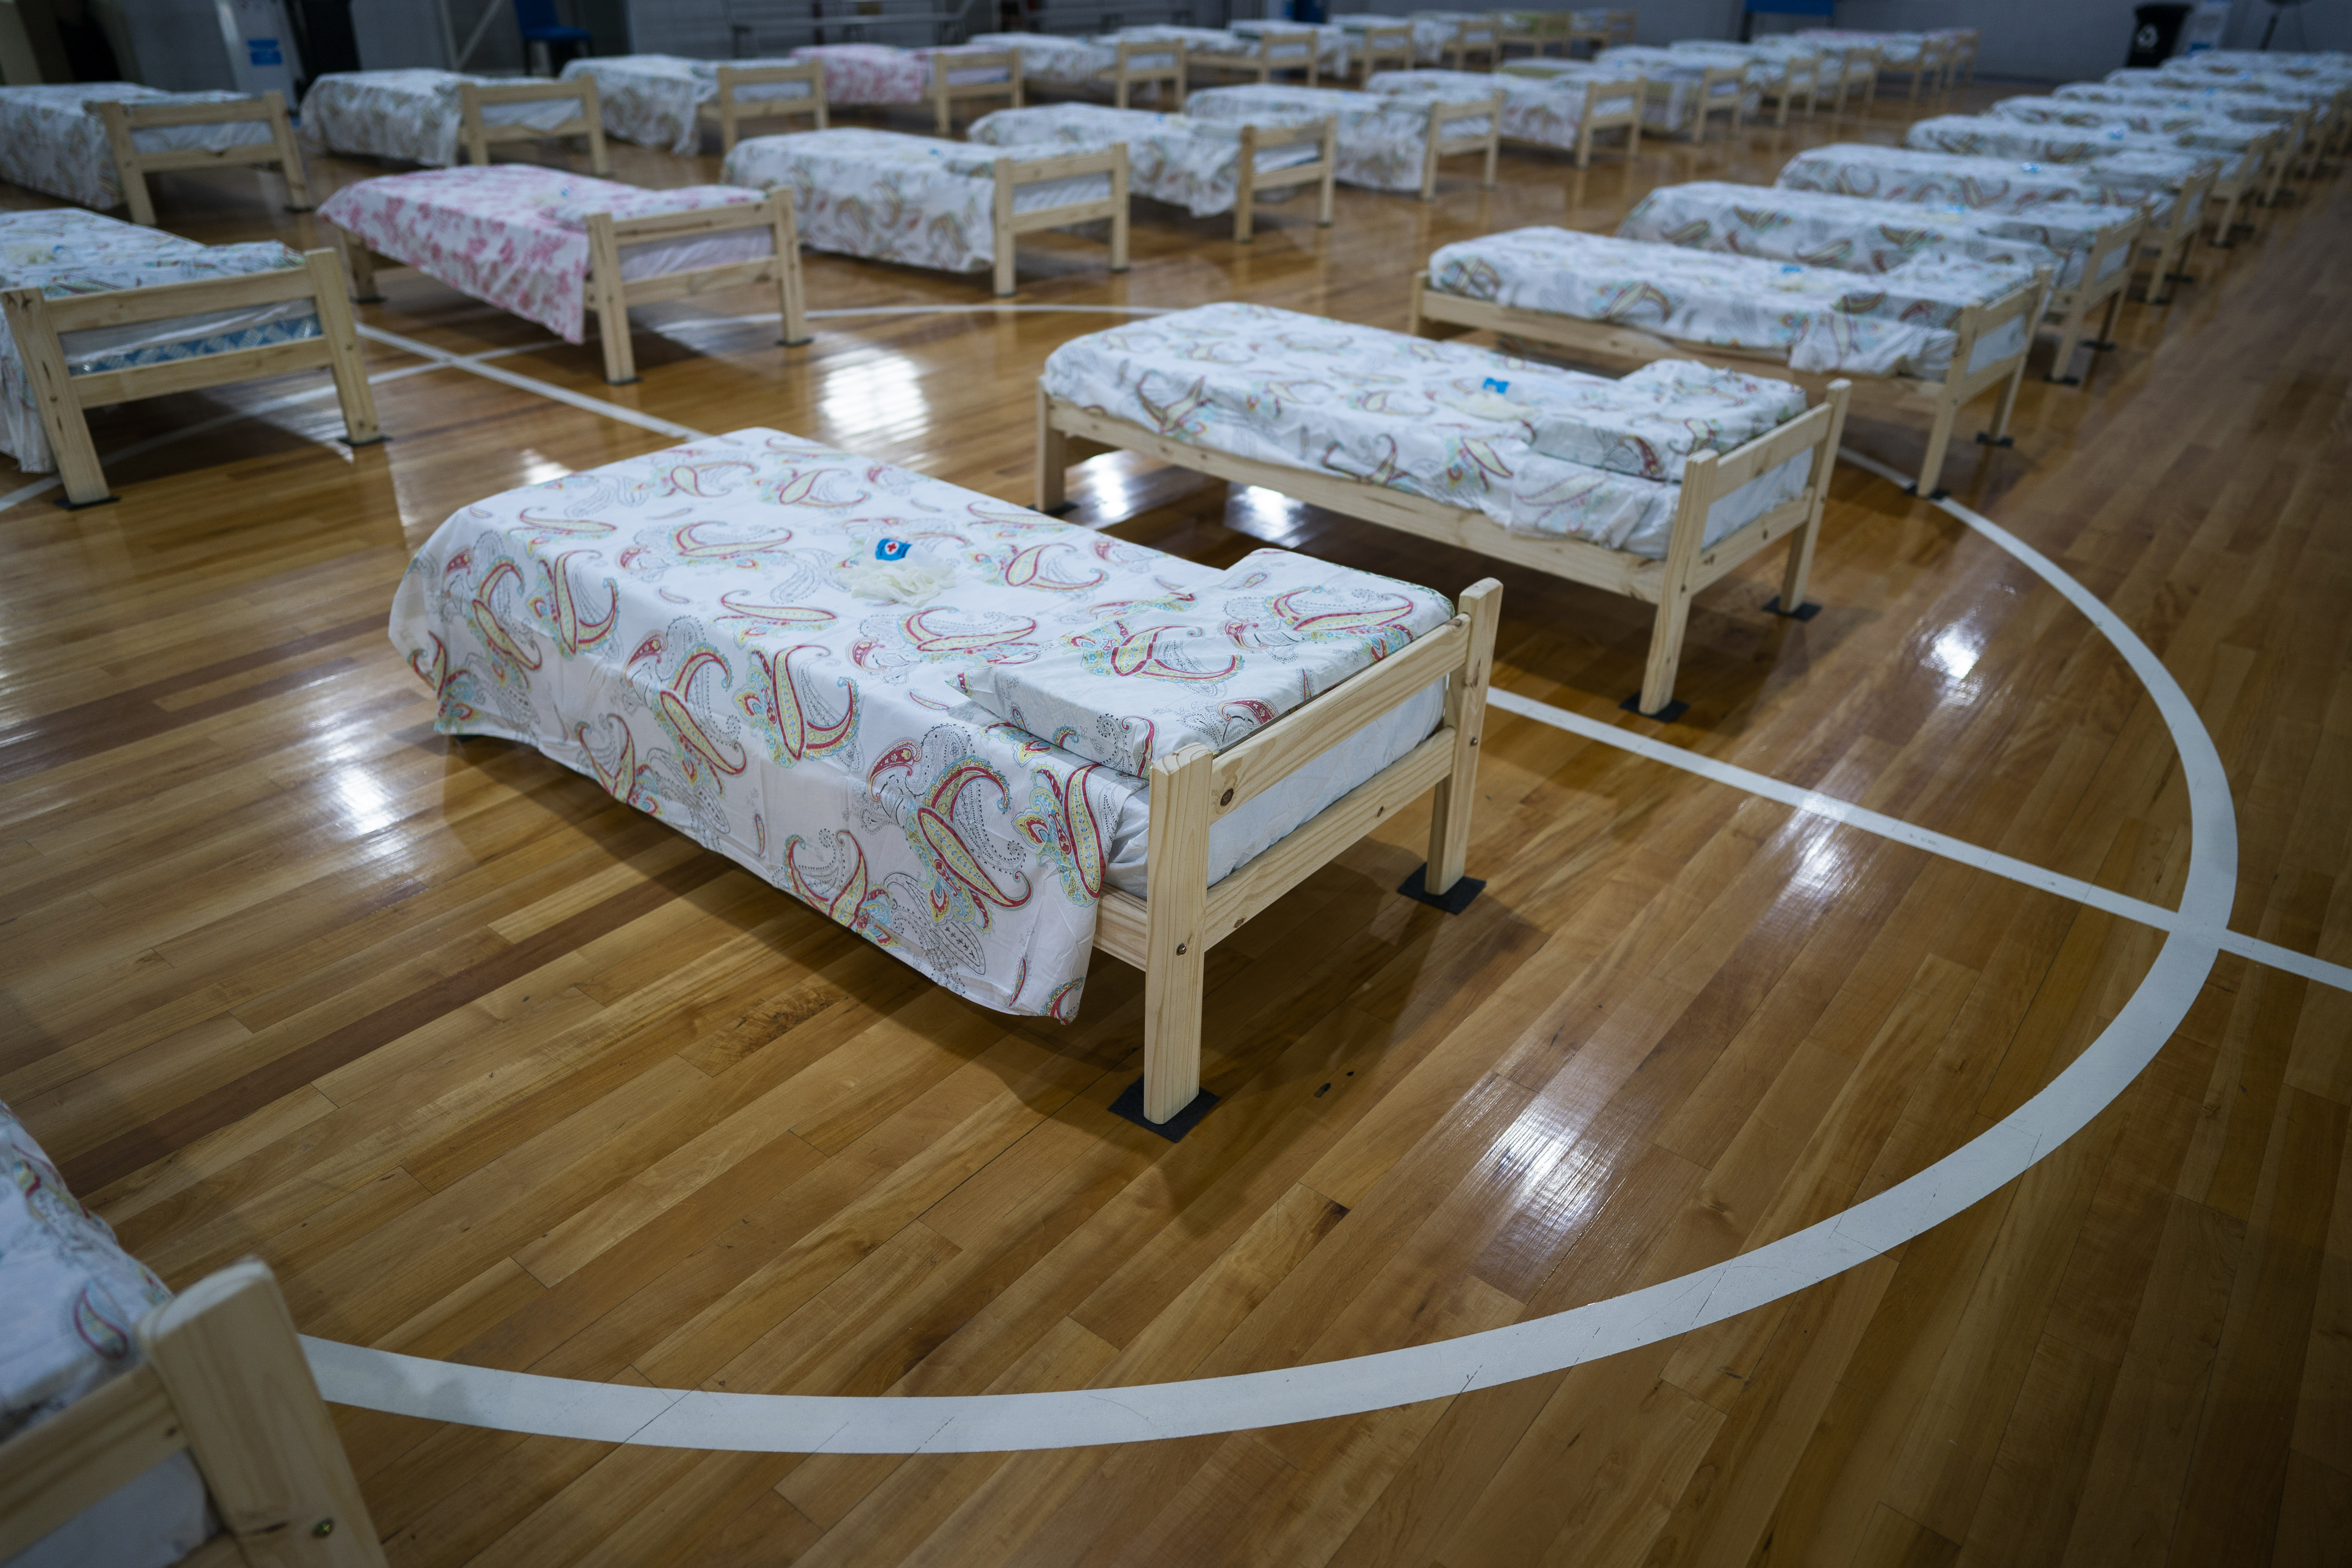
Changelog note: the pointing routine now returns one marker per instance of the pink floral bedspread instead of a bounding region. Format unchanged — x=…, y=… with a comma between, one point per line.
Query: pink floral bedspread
x=512, y=234
x=876, y=73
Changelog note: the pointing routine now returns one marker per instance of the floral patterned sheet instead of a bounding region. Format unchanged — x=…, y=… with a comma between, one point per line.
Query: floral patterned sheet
x=651, y=99
x=2182, y=127
x=2158, y=90
x=73, y=1297
x=516, y=235
x=1430, y=35
x=1982, y=184
x=1672, y=102
x=1547, y=112
x=1856, y=234
x=889, y=197
x=65, y=251
x=881, y=74
x=1675, y=112
x=1054, y=59
x=1764, y=69
x=1191, y=163
x=409, y=114
x=1382, y=139
x=678, y=628
x=1899, y=323
x=51, y=140
x=1993, y=136
x=1540, y=450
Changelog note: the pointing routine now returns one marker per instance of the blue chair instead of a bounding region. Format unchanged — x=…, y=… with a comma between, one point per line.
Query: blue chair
x=540, y=30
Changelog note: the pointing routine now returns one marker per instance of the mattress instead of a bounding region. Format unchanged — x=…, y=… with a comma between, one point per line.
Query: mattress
x=879, y=74
x=1384, y=141
x=1675, y=110
x=516, y=235
x=74, y=1296
x=1982, y=184
x=2183, y=127
x=1430, y=35
x=1993, y=136
x=680, y=628
x=63, y=252
x=1899, y=323
x=51, y=138
x=2158, y=90
x=410, y=114
x=1856, y=234
x=1191, y=163
x=889, y=196
x=1540, y=450
x=1545, y=112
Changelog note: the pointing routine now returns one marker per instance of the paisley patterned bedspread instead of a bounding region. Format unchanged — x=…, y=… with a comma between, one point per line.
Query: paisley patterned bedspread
x=1675, y=112
x=1989, y=135
x=677, y=626
x=1896, y=51
x=1977, y=184
x=1545, y=112
x=1053, y=58
x=1382, y=140
x=515, y=234
x=1537, y=449
x=408, y=114
x=1430, y=35
x=1670, y=99
x=52, y=141
x=73, y=1297
x=1856, y=234
x=64, y=251
x=2189, y=128
x=889, y=197
x=1897, y=324
x=2154, y=89
x=1191, y=163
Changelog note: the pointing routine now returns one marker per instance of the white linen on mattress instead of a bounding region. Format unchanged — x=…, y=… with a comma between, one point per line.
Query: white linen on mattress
x=1054, y=59
x=2153, y=89
x=1191, y=163
x=676, y=627
x=410, y=114
x=1430, y=35
x=1547, y=112
x=655, y=100
x=1900, y=323
x=1383, y=140
x=2182, y=126
x=889, y=197
x=1539, y=451
x=51, y=138
x=2155, y=157
x=1976, y=184
x=1850, y=234
x=73, y=1297
x=1677, y=112
x=1670, y=99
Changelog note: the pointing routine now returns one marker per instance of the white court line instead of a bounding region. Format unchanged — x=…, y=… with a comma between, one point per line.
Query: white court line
x=533, y=383
x=693, y=1418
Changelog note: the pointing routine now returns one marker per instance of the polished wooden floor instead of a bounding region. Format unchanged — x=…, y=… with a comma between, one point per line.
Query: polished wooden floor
x=492, y=1069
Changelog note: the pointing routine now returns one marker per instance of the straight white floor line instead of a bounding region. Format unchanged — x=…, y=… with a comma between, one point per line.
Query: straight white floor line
x=533, y=384
x=1862, y=818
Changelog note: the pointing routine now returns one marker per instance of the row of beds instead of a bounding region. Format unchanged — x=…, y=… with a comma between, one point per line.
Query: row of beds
x=993, y=741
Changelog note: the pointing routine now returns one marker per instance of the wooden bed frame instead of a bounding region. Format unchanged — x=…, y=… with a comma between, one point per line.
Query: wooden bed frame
x=123, y=121
x=1276, y=49
x=1126, y=75
x=946, y=94
x=1932, y=65
x=607, y=294
x=1858, y=74
x=1008, y=226
x=1067, y=433
x=1942, y=400
x=1169, y=934
x=478, y=134
x=224, y=1380
x=731, y=110
x=1536, y=32
x=1713, y=100
x=1253, y=184
x=1380, y=44
x=37, y=323
x=1440, y=144
x=1473, y=35
x=2073, y=307
x=1800, y=74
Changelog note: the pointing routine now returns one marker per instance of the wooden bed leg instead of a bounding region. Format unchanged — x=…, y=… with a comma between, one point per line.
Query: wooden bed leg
x=941, y=118
x=1245, y=192
x=2070, y=333
x=1657, y=699
x=125, y=152
x=1429, y=157
x=608, y=297
x=1494, y=141
x=470, y=125
x=1465, y=710
x=1331, y=172
x=289, y=155
x=228, y=1355
x=357, y=262
x=1053, y=460
x=1177, y=868
x=1002, y=212
x=791, y=296
x=1940, y=437
x=342, y=341
x=2107, y=322
x=51, y=385
x=1118, y=205
x=1797, y=575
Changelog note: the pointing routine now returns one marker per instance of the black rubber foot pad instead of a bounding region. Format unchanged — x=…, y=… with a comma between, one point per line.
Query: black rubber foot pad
x=2052, y=380
x=85, y=505
x=1062, y=508
x=631, y=381
x=1453, y=900
x=1666, y=715
x=2100, y=348
x=1804, y=611
x=1129, y=1106
x=1932, y=495
x=370, y=441
x=1985, y=437
x=795, y=342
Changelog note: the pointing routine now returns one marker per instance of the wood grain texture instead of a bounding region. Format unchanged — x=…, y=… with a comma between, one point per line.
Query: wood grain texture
x=490, y=1067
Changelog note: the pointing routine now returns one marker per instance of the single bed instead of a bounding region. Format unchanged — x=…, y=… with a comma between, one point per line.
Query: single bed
x=1262, y=53
x=138, y=1429
x=1652, y=487
x=985, y=741
x=552, y=247
x=97, y=142
x=2086, y=250
x=2300, y=115
x=889, y=196
x=2254, y=157
x=1922, y=57
x=1931, y=336
x=2226, y=177
x=1685, y=91
x=877, y=75
x=1563, y=112
x=1132, y=68
x=664, y=101
x=1336, y=48
x=1779, y=77
x=1430, y=34
x=429, y=116
x=98, y=311
x=1473, y=33
x=2175, y=206
x=1205, y=167
x=1385, y=143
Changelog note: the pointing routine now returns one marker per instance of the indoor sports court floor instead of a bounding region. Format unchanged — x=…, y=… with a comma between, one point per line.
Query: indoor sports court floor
x=1897, y=1114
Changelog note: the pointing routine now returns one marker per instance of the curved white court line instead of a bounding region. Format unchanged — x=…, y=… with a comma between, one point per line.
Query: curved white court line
x=524, y=1402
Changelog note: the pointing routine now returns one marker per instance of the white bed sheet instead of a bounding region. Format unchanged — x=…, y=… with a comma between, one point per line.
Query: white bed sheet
x=1383, y=140
x=1191, y=163
x=1980, y=183
x=1546, y=111
x=51, y=138
x=409, y=114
